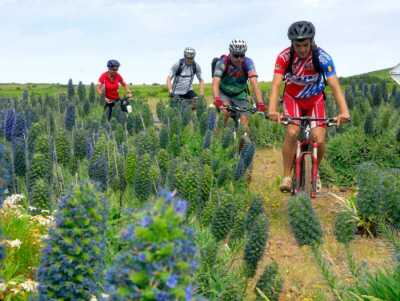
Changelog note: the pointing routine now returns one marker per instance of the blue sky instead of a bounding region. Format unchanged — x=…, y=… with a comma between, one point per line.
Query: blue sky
x=52, y=40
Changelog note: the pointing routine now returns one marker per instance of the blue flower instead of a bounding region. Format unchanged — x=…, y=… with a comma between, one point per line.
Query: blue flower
x=128, y=233
x=180, y=207
x=146, y=221
x=188, y=293
x=172, y=281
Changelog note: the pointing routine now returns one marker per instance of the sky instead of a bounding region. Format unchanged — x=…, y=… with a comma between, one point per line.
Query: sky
x=50, y=41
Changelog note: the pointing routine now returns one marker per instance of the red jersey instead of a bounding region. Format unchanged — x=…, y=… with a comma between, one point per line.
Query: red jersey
x=111, y=86
x=304, y=82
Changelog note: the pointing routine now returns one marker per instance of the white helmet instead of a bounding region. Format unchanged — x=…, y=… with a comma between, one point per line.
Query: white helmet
x=237, y=46
x=189, y=53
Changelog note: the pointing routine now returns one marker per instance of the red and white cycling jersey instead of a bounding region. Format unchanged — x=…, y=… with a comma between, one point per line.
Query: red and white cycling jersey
x=304, y=82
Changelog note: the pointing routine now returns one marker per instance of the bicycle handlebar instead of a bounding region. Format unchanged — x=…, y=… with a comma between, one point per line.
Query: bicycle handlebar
x=291, y=120
x=233, y=108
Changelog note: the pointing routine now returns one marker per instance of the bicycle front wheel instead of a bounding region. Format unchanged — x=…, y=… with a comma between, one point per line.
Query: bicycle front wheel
x=307, y=174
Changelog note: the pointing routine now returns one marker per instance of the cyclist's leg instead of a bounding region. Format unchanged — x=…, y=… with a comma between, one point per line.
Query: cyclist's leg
x=108, y=108
x=226, y=100
x=244, y=116
x=291, y=109
x=190, y=97
x=318, y=129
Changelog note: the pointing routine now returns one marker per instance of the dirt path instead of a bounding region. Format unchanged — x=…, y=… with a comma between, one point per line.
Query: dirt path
x=302, y=279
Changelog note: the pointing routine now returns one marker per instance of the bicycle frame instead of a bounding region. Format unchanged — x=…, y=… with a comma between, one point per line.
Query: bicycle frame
x=306, y=159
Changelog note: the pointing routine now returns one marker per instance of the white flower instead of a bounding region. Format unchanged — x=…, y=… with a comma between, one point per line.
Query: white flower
x=3, y=287
x=12, y=200
x=13, y=243
x=29, y=285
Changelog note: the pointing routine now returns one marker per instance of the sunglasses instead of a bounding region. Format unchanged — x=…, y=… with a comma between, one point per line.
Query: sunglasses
x=113, y=69
x=236, y=56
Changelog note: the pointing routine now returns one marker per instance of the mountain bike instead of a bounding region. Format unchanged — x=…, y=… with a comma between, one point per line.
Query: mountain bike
x=305, y=171
x=235, y=112
x=245, y=147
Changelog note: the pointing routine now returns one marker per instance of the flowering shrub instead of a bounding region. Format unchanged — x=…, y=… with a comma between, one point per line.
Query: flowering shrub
x=73, y=259
x=158, y=260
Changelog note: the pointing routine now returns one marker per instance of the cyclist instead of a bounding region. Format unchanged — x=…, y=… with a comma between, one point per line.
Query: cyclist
x=229, y=84
x=306, y=69
x=109, y=83
x=182, y=74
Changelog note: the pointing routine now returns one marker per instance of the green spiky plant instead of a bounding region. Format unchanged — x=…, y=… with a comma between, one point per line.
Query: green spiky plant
x=270, y=283
x=130, y=166
x=204, y=188
x=256, y=244
x=40, y=197
x=345, y=229
x=63, y=148
x=164, y=137
x=369, y=200
x=256, y=208
x=163, y=159
x=224, y=217
x=142, y=180
x=187, y=184
x=72, y=263
x=307, y=230
x=80, y=144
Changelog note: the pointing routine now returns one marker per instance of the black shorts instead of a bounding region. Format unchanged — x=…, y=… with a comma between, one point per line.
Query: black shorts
x=189, y=95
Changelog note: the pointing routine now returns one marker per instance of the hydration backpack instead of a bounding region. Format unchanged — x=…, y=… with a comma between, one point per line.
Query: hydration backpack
x=182, y=64
x=227, y=61
x=315, y=61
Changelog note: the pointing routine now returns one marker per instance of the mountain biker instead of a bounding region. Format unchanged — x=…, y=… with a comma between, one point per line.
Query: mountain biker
x=109, y=82
x=229, y=84
x=306, y=69
x=182, y=74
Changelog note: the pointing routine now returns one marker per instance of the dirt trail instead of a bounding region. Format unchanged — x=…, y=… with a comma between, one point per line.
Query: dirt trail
x=302, y=279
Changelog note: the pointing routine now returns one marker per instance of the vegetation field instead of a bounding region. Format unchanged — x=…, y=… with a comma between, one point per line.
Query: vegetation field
x=159, y=204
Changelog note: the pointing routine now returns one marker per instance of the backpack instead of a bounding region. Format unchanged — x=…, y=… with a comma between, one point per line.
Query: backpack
x=179, y=71
x=315, y=61
x=226, y=61
x=182, y=64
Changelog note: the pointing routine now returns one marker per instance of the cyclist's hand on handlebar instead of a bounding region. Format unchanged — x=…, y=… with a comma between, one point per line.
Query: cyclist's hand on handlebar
x=275, y=116
x=342, y=118
x=260, y=107
x=218, y=102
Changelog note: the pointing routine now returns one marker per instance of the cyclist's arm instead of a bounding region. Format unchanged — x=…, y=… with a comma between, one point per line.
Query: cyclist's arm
x=256, y=88
x=171, y=76
x=274, y=96
x=126, y=87
x=100, y=88
x=344, y=114
x=215, y=86
x=169, y=84
x=201, y=87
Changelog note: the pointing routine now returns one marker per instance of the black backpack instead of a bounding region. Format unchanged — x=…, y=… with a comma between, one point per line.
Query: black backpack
x=315, y=61
x=182, y=64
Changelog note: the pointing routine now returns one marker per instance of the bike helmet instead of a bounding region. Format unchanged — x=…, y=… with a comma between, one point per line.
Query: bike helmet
x=112, y=64
x=237, y=46
x=189, y=53
x=301, y=30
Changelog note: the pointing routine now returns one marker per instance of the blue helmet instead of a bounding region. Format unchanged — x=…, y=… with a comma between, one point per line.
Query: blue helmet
x=113, y=64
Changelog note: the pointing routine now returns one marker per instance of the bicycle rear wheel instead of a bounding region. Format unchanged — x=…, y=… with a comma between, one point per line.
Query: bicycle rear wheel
x=307, y=174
